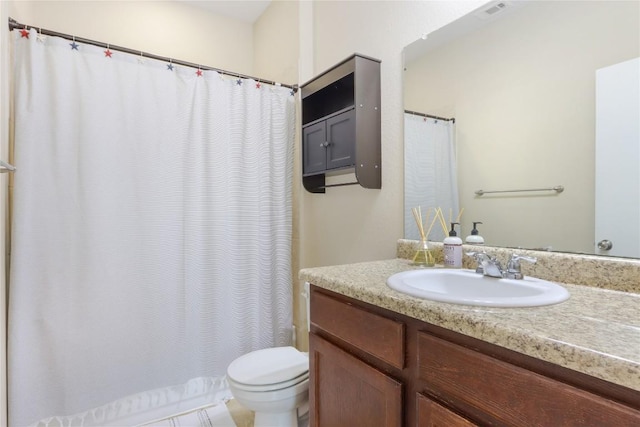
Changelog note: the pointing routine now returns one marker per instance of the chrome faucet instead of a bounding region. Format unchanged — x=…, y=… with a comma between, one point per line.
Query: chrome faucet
x=487, y=265
x=490, y=266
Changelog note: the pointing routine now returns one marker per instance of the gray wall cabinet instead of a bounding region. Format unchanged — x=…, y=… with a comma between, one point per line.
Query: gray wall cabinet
x=341, y=124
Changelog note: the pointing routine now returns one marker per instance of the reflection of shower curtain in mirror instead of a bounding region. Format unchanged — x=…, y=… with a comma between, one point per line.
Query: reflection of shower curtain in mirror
x=430, y=171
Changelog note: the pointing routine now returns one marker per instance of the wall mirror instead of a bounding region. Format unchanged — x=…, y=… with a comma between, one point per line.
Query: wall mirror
x=525, y=82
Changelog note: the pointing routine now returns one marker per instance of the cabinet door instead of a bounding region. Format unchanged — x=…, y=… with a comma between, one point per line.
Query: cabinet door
x=432, y=414
x=314, y=140
x=341, y=136
x=345, y=391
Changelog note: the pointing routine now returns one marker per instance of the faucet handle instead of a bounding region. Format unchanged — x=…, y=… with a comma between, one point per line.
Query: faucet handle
x=513, y=266
x=480, y=256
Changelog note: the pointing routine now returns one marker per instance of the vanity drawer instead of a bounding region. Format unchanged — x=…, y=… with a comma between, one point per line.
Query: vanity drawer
x=356, y=326
x=511, y=394
x=432, y=414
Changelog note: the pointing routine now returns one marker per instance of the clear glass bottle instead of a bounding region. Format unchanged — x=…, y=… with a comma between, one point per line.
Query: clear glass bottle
x=423, y=256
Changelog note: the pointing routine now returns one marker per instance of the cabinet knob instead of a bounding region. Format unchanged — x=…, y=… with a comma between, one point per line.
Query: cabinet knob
x=326, y=144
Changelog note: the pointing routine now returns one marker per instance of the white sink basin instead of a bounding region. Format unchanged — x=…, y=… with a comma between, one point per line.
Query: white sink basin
x=470, y=288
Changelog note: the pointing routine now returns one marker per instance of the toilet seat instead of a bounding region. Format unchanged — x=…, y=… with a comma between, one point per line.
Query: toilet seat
x=269, y=369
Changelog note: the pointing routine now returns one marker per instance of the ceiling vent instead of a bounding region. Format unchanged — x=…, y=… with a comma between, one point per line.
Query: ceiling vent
x=493, y=9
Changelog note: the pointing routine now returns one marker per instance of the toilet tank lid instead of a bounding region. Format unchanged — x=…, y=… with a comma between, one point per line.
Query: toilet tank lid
x=269, y=366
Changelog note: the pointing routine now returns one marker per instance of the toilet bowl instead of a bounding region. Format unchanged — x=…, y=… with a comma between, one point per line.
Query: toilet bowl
x=273, y=383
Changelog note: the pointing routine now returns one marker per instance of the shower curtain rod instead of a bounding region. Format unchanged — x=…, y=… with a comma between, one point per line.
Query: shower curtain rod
x=415, y=113
x=15, y=25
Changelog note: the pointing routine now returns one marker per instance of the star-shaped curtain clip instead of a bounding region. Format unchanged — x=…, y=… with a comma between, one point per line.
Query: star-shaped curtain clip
x=108, y=52
x=258, y=85
x=73, y=44
x=239, y=81
x=199, y=72
x=170, y=65
x=24, y=33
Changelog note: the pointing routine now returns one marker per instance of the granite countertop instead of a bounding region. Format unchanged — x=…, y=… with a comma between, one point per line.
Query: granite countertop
x=596, y=331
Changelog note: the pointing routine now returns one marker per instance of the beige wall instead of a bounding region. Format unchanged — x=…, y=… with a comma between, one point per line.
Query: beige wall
x=525, y=113
x=350, y=224
x=171, y=29
x=275, y=41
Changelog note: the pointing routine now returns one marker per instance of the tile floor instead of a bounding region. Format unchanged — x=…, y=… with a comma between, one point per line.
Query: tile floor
x=244, y=418
x=241, y=416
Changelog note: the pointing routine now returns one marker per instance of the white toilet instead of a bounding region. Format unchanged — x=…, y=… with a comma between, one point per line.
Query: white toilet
x=273, y=383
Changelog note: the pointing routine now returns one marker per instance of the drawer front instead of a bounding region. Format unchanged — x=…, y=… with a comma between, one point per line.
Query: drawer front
x=432, y=414
x=376, y=335
x=510, y=394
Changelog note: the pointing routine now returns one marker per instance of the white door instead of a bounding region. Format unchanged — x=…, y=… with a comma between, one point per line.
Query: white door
x=617, y=216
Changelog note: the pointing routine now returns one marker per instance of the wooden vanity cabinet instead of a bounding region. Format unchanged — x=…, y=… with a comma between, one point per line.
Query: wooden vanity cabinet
x=373, y=367
x=347, y=385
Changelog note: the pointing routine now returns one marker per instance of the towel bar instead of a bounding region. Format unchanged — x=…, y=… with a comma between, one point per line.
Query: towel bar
x=557, y=189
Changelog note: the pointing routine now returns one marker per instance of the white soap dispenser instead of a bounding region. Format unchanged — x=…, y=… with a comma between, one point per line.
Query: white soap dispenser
x=452, y=249
x=474, y=238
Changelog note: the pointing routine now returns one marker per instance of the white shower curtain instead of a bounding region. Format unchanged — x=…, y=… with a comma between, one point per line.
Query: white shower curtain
x=430, y=179
x=151, y=226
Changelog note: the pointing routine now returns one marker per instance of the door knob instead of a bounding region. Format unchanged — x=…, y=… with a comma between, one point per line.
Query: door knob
x=605, y=245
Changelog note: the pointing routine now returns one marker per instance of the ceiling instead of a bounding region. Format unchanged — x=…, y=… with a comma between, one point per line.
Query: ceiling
x=242, y=10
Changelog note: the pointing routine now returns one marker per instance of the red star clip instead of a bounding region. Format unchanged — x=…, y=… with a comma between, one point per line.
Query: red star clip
x=258, y=85
x=108, y=53
x=24, y=33
x=199, y=72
